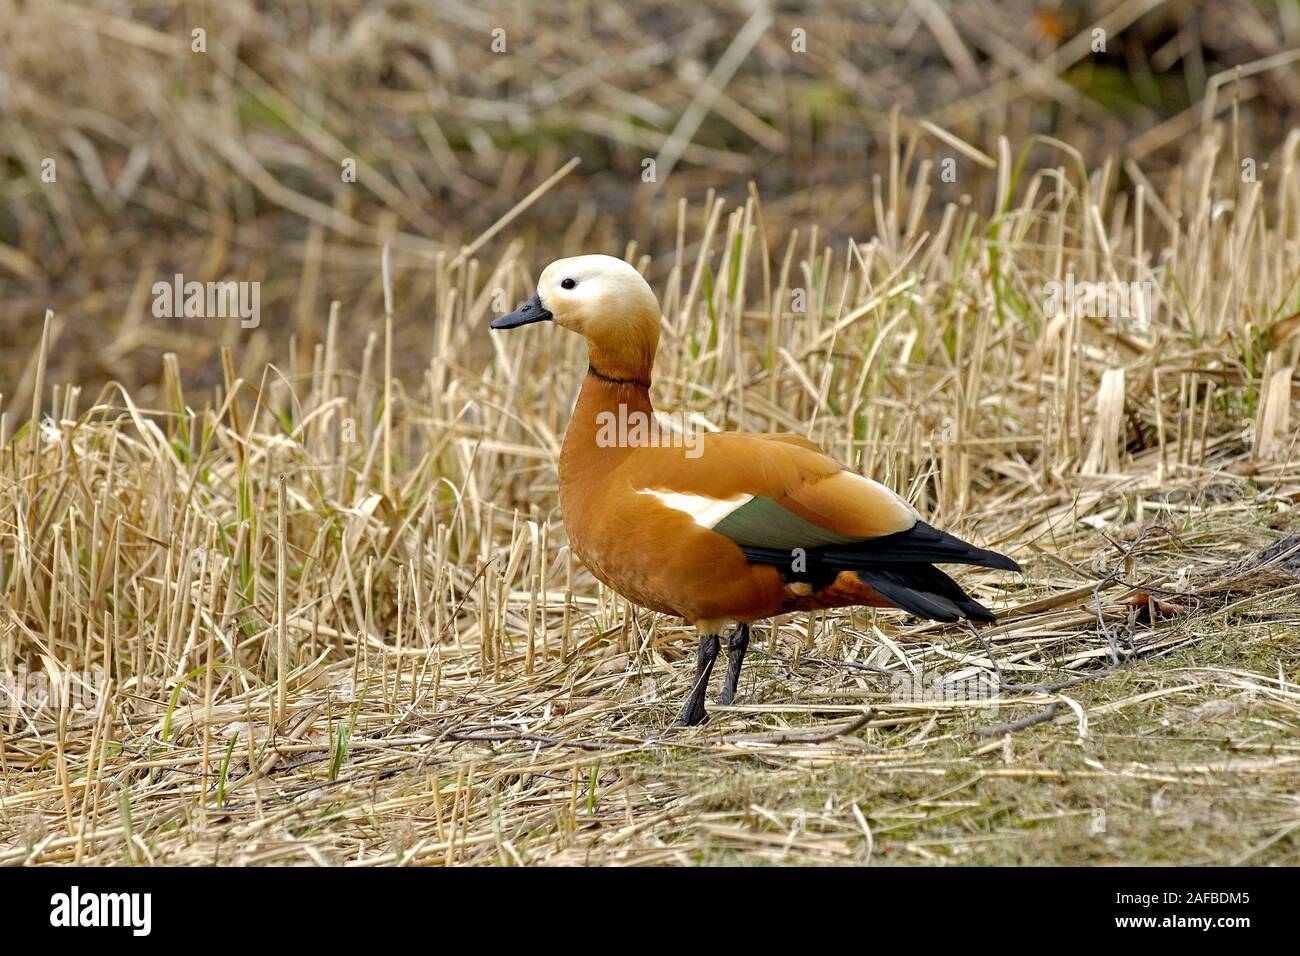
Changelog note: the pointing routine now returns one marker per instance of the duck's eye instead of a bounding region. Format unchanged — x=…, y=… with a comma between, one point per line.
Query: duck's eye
x=568, y=283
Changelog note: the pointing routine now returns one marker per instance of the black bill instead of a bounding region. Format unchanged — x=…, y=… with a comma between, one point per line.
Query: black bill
x=530, y=311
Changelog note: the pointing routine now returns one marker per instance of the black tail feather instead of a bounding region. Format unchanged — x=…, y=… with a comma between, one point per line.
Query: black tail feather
x=924, y=590
x=899, y=567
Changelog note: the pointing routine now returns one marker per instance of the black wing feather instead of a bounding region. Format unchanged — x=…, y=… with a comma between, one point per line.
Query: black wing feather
x=899, y=567
x=920, y=543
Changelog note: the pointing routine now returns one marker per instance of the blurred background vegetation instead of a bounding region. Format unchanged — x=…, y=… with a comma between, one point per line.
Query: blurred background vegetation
x=227, y=163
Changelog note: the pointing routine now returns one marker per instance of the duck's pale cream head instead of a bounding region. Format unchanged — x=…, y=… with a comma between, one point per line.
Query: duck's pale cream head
x=607, y=301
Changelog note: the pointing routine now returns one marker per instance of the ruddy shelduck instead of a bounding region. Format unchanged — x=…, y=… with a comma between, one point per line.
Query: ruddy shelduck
x=735, y=527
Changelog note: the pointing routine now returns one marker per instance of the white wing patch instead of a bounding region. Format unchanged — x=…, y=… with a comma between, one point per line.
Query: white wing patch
x=703, y=510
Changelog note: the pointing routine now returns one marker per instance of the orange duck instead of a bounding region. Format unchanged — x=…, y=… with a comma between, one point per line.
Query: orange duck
x=735, y=527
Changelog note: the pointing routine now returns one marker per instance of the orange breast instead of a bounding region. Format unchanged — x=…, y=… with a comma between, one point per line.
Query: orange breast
x=661, y=559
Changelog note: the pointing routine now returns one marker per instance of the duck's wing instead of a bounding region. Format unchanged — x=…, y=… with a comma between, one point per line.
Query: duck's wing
x=786, y=503
x=775, y=491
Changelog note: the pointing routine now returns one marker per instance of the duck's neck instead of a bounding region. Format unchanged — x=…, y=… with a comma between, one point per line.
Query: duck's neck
x=609, y=411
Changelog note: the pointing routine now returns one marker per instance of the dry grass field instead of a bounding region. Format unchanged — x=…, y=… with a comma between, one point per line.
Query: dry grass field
x=309, y=581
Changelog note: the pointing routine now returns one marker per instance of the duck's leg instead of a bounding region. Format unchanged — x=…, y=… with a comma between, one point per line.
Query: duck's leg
x=693, y=712
x=737, y=643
